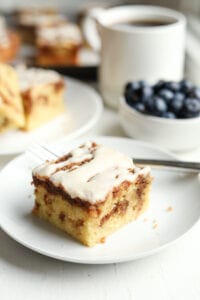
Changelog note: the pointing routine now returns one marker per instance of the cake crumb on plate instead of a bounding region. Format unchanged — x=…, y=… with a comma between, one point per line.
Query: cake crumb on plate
x=169, y=209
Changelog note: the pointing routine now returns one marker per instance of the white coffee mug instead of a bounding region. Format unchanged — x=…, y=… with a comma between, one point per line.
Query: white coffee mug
x=130, y=52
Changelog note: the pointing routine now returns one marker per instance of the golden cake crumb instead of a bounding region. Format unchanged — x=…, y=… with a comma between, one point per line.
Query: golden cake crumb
x=103, y=240
x=155, y=225
x=169, y=209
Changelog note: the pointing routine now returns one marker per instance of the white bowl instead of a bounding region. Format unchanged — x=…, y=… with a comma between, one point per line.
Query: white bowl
x=174, y=134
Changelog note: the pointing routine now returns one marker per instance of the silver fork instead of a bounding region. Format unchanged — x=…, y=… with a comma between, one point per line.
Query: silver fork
x=186, y=166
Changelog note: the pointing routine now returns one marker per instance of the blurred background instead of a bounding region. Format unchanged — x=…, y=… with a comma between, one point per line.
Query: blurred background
x=71, y=6
x=191, y=8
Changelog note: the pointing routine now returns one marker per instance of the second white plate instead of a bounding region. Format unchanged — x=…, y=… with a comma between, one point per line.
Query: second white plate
x=83, y=110
x=174, y=209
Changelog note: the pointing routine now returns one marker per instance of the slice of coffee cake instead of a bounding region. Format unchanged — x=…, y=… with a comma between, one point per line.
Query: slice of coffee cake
x=42, y=95
x=11, y=108
x=91, y=192
x=58, y=45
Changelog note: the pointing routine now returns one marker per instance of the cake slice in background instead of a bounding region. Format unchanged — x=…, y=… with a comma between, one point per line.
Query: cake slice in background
x=28, y=20
x=91, y=192
x=9, y=42
x=42, y=92
x=11, y=108
x=58, y=45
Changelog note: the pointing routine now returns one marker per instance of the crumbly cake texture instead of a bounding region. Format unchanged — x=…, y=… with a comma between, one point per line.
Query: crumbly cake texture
x=58, y=45
x=11, y=108
x=91, y=192
x=42, y=95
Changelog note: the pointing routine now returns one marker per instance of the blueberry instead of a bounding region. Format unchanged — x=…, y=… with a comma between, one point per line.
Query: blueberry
x=131, y=97
x=149, y=105
x=192, y=106
x=177, y=102
x=160, y=106
x=186, y=86
x=166, y=94
x=169, y=115
x=186, y=115
x=146, y=93
x=173, y=86
x=159, y=85
x=140, y=107
x=143, y=83
x=132, y=86
x=131, y=92
x=176, y=105
x=196, y=92
x=179, y=96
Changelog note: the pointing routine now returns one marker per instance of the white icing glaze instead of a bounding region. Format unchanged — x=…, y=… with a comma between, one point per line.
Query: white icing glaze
x=62, y=33
x=39, y=19
x=35, y=76
x=92, y=180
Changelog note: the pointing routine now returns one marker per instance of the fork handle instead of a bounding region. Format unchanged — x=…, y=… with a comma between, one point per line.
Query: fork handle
x=192, y=166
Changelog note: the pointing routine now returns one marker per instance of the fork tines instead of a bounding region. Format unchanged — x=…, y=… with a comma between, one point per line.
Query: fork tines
x=41, y=152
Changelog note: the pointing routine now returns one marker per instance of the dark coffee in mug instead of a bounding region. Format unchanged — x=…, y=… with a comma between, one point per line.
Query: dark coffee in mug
x=144, y=23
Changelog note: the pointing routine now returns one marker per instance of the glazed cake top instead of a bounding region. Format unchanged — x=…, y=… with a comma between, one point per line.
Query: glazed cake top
x=90, y=172
x=30, y=77
x=62, y=33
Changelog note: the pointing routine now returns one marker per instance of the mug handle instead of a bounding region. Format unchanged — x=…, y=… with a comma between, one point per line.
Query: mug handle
x=90, y=27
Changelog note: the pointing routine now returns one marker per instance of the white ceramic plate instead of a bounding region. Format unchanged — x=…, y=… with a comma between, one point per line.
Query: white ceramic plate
x=133, y=241
x=83, y=109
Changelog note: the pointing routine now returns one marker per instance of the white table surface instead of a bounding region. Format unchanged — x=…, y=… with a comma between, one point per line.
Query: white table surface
x=172, y=274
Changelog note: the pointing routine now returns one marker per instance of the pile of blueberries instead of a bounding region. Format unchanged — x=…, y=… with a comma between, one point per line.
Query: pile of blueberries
x=167, y=99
